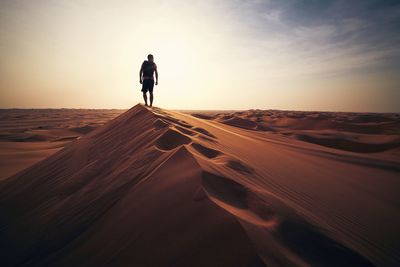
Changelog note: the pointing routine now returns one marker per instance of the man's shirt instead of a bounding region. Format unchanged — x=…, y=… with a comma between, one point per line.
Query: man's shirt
x=148, y=69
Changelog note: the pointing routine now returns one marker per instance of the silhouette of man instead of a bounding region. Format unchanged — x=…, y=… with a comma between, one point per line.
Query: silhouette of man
x=146, y=77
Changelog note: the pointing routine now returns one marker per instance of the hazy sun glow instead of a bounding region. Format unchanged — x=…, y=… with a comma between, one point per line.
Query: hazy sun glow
x=210, y=55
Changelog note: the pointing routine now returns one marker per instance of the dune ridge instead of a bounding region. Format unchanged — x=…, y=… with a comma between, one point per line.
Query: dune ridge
x=357, y=132
x=162, y=188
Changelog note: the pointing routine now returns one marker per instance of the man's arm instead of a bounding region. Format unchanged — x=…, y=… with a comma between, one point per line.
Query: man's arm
x=156, y=76
x=140, y=74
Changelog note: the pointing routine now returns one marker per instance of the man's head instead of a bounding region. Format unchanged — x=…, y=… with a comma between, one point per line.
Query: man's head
x=150, y=57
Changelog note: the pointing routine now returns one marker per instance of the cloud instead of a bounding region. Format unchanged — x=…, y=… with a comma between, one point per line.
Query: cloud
x=325, y=37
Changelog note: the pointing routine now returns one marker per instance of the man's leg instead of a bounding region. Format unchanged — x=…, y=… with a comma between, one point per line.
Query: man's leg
x=151, y=98
x=145, y=98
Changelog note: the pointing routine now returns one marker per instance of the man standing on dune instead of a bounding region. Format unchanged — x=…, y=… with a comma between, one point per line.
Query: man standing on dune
x=146, y=78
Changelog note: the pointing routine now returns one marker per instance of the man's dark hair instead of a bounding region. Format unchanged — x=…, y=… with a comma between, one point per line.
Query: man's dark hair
x=149, y=56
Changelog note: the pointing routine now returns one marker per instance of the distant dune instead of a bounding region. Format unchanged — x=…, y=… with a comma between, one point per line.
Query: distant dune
x=154, y=187
x=30, y=135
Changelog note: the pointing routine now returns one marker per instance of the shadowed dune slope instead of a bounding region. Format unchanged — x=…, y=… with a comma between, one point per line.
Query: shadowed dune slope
x=113, y=198
x=154, y=187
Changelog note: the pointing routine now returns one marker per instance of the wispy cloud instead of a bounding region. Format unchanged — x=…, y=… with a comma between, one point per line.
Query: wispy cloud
x=325, y=37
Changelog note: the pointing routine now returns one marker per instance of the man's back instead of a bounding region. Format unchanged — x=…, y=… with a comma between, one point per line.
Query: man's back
x=148, y=68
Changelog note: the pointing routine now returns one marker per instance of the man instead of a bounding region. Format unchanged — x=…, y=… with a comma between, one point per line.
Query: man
x=146, y=78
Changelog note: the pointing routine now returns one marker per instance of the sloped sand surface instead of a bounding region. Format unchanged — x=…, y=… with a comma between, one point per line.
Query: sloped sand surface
x=16, y=156
x=163, y=188
x=30, y=135
x=357, y=132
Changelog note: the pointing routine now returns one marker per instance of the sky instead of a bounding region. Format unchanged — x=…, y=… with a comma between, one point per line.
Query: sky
x=332, y=55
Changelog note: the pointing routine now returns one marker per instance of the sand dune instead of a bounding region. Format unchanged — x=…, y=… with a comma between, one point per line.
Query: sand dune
x=27, y=125
x=16, y=156
x=357, y=132
x=164, y=188
x=30, y=135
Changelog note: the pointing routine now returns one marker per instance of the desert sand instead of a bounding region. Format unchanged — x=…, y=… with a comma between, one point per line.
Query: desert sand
x=30, y=135
x=155, y=187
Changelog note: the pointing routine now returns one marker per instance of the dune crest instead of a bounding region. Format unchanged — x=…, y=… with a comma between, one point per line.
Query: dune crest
x=154, y=187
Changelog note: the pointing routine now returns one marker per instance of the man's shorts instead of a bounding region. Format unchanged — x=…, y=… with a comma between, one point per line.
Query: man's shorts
x=147, y=85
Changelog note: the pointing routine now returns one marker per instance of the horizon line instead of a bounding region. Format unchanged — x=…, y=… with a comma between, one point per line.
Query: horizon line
x=195, y=110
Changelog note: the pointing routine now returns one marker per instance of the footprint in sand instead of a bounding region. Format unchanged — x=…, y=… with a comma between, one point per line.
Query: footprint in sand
x=160, y=124
x=172, y=139
x=204, y=131
x=175, y=121
x=238, y=200
x=239, y=166
x=185, y=130
x=205, y=151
